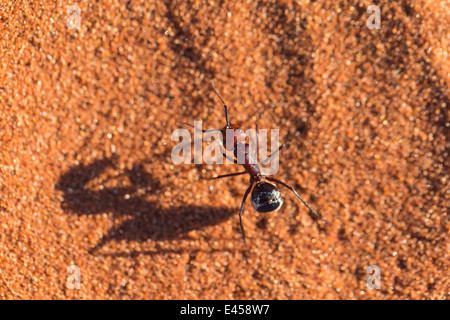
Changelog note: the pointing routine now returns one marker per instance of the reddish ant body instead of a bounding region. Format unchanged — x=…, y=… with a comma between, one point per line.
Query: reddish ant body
x=266, y=197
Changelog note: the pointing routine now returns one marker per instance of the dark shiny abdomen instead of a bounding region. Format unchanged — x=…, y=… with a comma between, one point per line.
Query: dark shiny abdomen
x=266, y=197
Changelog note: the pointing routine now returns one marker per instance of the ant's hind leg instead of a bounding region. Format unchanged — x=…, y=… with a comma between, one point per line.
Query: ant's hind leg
x=317, y=215
x=229, y=175
x=242, y=209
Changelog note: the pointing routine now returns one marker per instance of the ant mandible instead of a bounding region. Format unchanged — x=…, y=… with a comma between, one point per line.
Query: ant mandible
x=266, y=197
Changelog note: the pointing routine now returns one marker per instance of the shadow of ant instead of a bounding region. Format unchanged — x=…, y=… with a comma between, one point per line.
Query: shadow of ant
x=148, y=221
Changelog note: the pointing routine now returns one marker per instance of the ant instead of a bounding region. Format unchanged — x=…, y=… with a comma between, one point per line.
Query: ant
x=266, y=197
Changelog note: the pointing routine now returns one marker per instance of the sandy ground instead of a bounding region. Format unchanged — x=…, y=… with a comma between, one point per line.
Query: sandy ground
x=86, y=176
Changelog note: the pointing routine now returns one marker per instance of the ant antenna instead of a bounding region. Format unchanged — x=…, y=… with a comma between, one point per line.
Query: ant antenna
x=224, y=104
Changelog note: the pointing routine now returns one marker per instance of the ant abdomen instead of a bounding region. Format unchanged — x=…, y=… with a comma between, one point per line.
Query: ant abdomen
x=266, y=197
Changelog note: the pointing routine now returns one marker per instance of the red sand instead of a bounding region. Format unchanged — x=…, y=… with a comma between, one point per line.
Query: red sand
x=86, y=176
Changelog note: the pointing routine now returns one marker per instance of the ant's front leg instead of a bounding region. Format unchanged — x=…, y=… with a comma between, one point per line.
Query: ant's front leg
x=269, y=158
x=284, y=145
x=257, y=138
x=226, y=156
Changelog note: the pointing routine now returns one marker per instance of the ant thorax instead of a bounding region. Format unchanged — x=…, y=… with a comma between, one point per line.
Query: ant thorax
x=245, y=156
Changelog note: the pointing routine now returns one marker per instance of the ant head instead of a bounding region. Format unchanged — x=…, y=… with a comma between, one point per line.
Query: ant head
x=266, y=197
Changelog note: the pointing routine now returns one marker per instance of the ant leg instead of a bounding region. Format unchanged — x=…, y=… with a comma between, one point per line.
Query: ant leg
x=226, y=156
x=242, y=208
x=274, y=153
x=204, y=131
x=257, y=138
x=318, y=216
x=284, y=145
x=229, y=175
